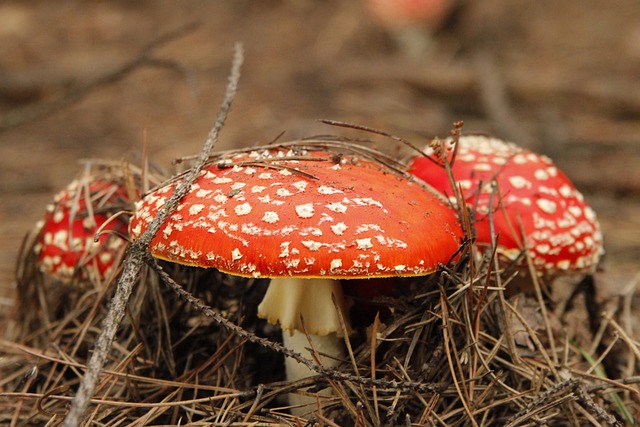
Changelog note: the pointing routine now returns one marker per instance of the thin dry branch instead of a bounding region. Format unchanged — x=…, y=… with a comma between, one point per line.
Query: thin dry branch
x=20, y=116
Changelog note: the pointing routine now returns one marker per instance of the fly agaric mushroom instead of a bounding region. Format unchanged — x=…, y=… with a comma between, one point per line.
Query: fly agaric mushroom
x=65, y=246
x=411, y=23
x=304, y=218
x=532, y=199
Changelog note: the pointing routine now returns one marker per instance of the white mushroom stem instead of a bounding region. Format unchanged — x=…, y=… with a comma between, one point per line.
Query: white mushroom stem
x=330, y=345
x=316, y=302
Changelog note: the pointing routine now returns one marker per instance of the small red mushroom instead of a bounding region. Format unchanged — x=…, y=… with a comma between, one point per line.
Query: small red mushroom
x=403, y=13
x=411, y=23
x=65, y=246
x=535, y=206
x=304, y=219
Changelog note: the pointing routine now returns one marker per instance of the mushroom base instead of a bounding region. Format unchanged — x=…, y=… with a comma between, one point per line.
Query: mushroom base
x=329, y=345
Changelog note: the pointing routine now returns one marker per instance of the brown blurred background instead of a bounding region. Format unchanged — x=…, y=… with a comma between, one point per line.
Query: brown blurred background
x=562, y=78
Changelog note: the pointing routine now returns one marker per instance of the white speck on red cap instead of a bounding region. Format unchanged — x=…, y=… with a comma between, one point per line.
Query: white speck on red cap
x=305, y=211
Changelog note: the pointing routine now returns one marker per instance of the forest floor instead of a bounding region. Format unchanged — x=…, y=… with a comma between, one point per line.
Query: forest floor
x=94, y=79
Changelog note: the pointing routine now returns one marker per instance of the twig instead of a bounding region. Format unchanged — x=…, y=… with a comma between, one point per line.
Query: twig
x=30, y=113
x=135, y=258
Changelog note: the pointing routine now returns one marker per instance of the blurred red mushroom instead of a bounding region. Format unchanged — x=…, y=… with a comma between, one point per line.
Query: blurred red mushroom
x=304, y=219
x=533, y=205
x=411, y=23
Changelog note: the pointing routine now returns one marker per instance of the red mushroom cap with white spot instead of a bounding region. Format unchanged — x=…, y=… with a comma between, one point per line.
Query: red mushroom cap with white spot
x=532, y=197
x=272, y=214
x=65, y=246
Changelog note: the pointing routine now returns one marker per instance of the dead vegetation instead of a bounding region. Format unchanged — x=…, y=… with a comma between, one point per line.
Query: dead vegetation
x=456, y=348
x=448, y=350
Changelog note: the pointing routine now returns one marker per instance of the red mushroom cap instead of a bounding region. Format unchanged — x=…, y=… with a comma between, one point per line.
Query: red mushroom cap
x=65, y=246
x=399, y=13
x=562, y=232
x=273, y=214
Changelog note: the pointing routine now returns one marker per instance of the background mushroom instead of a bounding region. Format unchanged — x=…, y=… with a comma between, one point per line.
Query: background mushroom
x=304, y=217
x=412, y=24
x=65, y=245
x=533, y=205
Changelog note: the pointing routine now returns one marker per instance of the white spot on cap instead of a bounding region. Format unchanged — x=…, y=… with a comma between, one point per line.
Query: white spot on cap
x=292, y=263
x=220, y=198
x=58, y=216
x=364, y=243
x=541, y=174
x=543, y=248
x=519, y=182
x=284, y=249
x=323, y=189
x=519, y=159
x=465, y=184
x=265, y=175
x=88, y=222
x=400, y=267
x=367, y=201
x=336, y=207
x=203, y=193
x=167, y=230
x=283, y=192
x=466, y=156
x=576, y=211
x=300, y=185
x=563, y=264
x=60, y=239
x=546, y=206
x=236, y=254
x=499, y=160
x=105, y=257
x=312, y=245
x=482, y=167
x=566, y=191
x=336, y=263
x=339, y=228
x=252, y=229
x=222, y=180
x=195, y=209
x=242, y=209
x=137, y=230
x=589, y=214
x=270, y=217
x=314, y=231
x=548, y=190
x=305, y=211
x=258, y=188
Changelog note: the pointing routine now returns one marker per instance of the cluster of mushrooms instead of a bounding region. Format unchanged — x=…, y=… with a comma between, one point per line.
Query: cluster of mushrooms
x=315, y=219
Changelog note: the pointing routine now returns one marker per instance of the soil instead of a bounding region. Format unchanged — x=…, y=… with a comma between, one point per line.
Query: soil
x=559, y=77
